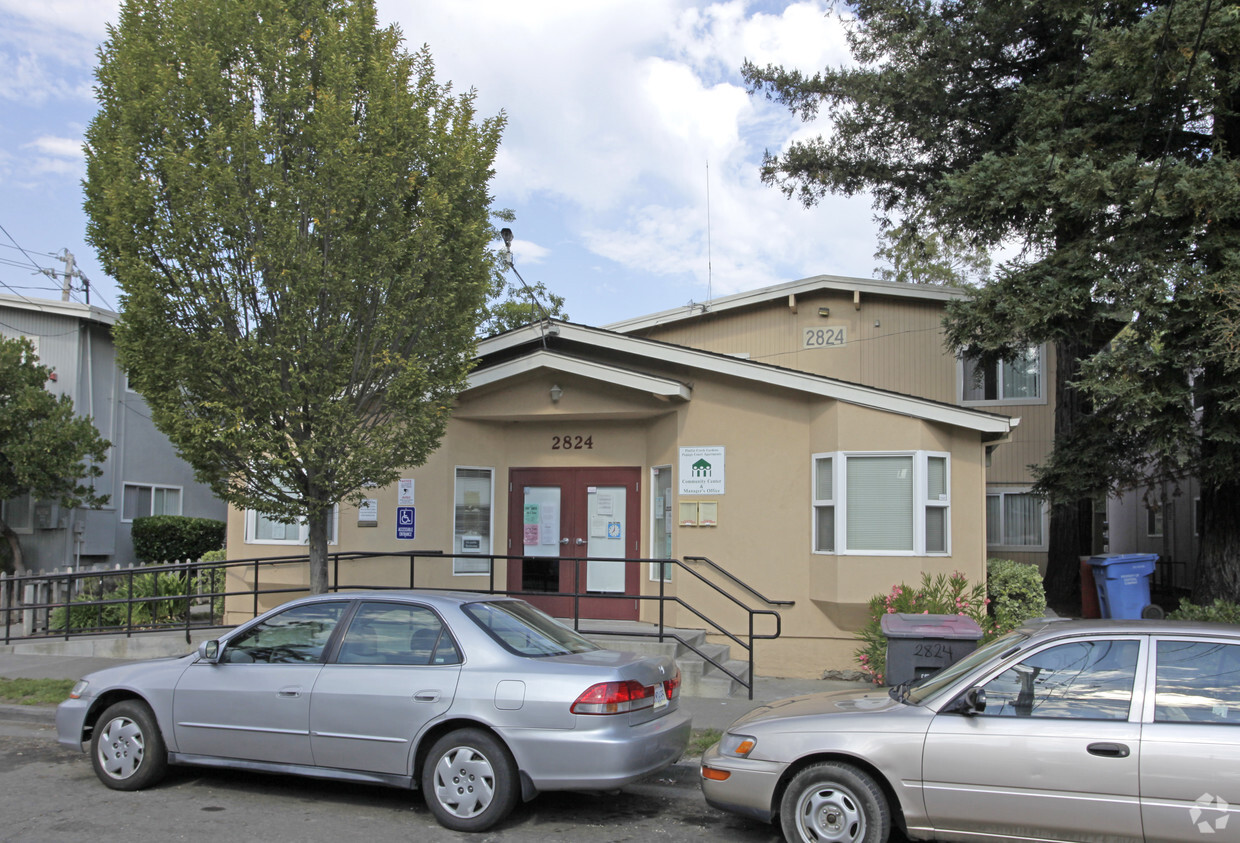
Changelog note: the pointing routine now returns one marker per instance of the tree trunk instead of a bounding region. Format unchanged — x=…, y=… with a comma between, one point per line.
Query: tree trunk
x=317, y=522
x=1218, y=556
x=1071, y=522
x=15, y=548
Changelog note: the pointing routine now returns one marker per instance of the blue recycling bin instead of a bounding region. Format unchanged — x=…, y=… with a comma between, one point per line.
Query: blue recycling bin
x=1123, y=582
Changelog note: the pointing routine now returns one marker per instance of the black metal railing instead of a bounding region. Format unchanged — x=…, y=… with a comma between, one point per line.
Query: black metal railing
x=195, y=595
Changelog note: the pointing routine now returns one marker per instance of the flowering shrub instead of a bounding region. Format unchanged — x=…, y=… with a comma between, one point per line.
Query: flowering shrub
x=941, y=595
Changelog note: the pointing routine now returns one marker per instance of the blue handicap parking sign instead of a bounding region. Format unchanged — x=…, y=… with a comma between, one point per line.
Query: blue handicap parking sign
x=404, y=522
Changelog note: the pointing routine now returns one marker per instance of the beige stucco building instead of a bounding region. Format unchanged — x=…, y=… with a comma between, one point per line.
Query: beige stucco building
x=815, y=440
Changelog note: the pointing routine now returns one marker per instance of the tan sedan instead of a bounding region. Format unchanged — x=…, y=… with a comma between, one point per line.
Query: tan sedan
x=1063, y=730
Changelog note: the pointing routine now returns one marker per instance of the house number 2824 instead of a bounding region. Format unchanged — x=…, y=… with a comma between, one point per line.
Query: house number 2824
x=572, y=443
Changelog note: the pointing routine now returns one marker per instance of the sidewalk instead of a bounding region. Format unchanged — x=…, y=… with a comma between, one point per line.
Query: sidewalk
x=707, y=713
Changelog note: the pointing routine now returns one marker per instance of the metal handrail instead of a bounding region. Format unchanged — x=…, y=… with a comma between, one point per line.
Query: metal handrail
x=71, y=583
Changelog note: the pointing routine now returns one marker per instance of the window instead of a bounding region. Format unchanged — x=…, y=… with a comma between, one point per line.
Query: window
x=882, y=503
x=1154, y=522
x=471, y=521
x=824, y=505
x=18, y=513
x=392, y=634
x=141, y=500
x=261, y=528
x=1195, y=682
x=295, y=636
x=661, y=518
x=1004, y=382
x=1014, y=518
x=1081, y=680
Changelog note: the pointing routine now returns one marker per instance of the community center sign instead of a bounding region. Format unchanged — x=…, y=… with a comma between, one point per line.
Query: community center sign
x=702, y=470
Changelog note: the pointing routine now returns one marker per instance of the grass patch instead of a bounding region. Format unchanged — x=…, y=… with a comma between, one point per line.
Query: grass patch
x=34, y=691
x=701, y=740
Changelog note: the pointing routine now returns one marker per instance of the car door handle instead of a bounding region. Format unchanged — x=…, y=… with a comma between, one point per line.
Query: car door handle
x=290, y=691
x=1109, y=750
x=426, y=696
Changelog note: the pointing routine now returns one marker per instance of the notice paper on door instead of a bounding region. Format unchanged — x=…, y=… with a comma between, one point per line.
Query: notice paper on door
x=598, y=527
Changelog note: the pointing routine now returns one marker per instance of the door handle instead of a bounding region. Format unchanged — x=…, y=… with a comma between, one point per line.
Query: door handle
x=290, y=691
x=563, y=541
x=1109, y=750
x=580, y=542
x=426, y=696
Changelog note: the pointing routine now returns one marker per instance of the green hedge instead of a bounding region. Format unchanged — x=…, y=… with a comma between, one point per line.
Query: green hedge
x=1220, y=611
x=1016, y=592
x=173, y=538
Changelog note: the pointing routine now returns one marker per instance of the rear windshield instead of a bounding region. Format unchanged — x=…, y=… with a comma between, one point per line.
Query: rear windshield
x=524, y=630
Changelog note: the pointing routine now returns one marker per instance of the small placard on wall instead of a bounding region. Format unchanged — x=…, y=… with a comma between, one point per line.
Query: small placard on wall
x=368, y=513
x=708, y=513
x=688, y=513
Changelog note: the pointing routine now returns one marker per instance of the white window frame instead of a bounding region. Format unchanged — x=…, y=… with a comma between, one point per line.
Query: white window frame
x=303, y=530
x=153, y=487
x=657, y=568
x=490, y=548
x=987, y=402
x=1155, y=522
x=823, y=503
x=921, y=502
x=1002, y=491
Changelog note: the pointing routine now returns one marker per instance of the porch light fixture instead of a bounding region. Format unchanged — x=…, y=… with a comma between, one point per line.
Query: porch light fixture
x=556, y=392
x=824, y=311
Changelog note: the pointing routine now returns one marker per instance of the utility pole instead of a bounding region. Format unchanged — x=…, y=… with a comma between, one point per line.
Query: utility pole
x=70, y=273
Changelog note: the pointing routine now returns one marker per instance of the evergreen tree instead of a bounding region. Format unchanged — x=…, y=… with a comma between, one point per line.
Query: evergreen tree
x=1102, y=137
x=298, y=217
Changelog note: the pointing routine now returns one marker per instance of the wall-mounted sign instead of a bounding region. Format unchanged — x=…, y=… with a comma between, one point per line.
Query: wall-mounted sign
x=368, y=511
x=404, y=492
x=702, y=470
x=830, y=336
x=405, y=522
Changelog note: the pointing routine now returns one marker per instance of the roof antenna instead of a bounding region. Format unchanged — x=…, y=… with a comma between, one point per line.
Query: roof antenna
x=709, y=270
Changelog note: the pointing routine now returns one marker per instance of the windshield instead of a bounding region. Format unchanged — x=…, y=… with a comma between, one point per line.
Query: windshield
x=524, y=630
x=921, y=690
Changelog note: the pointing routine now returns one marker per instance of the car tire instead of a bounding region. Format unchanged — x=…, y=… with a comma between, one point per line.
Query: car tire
x=469, y=780
x=834, y=802
x=126, y=748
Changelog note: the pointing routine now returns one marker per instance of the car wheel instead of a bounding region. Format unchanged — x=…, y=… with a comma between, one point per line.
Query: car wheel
x=469, y=780
x=126, y=749
x=834, y=802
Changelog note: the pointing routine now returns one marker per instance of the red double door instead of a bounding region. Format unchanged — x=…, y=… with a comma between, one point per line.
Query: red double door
x=567, y=524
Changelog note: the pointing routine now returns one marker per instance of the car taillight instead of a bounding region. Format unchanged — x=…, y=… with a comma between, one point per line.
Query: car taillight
x=672, y=686
x=614, y=698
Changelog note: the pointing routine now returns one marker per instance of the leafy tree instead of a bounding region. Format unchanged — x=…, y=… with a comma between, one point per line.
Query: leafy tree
x=298, y=216
x=1102, y=137
x=516, y=305
x=45, y=450
x=914, y=256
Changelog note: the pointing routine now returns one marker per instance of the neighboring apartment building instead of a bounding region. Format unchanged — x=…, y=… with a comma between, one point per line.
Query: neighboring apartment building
x=143, y=474
x=809, y=438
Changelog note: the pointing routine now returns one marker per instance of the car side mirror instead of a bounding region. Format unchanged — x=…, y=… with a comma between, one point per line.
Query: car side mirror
x=209, y=651
x=971, y=702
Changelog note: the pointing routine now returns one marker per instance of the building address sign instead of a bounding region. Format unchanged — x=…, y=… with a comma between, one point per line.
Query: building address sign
x=832, y=336
x=572, y=443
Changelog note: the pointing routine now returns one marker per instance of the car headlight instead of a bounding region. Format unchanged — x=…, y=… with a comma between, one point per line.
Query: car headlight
x=738, y=746
x=79, y=690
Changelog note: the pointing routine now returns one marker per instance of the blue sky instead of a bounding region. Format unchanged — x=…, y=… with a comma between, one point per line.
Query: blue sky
x=623, y=117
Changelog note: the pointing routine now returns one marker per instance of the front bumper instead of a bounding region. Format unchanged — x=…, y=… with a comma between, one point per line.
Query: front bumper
x=749, y=789
x=71, y=723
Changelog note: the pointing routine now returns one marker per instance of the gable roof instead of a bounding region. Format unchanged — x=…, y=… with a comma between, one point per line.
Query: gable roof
x=565, y=346
x=856, y=286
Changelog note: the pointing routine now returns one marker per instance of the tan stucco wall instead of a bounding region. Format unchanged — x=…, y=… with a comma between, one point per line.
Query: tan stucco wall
x=764, y=533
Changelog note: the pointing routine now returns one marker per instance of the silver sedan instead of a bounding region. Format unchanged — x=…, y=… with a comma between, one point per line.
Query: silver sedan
x=1123, y=731
x=478, y=701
